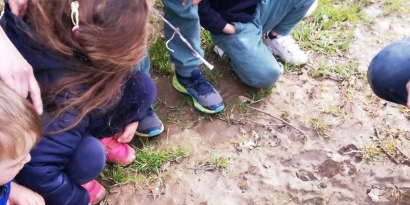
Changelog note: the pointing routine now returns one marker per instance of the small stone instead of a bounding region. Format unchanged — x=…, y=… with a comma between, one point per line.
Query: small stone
x=243, y=185
x=374, y=194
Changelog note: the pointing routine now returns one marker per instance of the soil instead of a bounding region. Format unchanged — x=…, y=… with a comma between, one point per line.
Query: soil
x=285, y=167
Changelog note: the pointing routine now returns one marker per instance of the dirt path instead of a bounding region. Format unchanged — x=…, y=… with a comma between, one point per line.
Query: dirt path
x=338, y=164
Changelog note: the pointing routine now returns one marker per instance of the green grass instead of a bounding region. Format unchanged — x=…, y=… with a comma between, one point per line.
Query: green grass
x=148, y=163
x=159, y=57
x=213, y=162
x=331, y=27
x=371, y=152
x=393, y=6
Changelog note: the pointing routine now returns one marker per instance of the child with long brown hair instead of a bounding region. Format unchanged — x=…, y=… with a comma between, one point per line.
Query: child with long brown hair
x=83, y=54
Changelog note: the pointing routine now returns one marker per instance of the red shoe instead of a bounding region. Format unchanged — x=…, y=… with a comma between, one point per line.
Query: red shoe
x=119, y=153
x=96, y=191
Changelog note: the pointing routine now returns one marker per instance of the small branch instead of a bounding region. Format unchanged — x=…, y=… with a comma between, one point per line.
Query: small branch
x=176, y=31
x=277, y=118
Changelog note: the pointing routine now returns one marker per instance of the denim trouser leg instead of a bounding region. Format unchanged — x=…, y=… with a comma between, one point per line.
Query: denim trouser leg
x=87, y=162
x=187, y=20
x=389, y=72
x=282, y=16
x=250, y=59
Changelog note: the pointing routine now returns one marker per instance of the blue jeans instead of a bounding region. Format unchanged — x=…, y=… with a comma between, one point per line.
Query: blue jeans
x=187, y=20
x=389, y=72
x=250, y=59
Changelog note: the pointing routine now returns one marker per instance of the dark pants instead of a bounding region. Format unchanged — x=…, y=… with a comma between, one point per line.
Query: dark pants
x=87, y=161
x=389, y=72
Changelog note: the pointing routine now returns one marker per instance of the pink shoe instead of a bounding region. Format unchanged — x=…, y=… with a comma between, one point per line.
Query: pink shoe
x=119, y=153
x=96, y=191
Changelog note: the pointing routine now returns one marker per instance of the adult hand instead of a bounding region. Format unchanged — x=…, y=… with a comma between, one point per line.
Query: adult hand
x=19, y=7
x=20, y=195
x=17, y=73
x=194, y=2
x=127, y=134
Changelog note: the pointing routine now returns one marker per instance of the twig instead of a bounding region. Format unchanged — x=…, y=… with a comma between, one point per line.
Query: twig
x=176, y=31
x=277, y=118
x=167, y=134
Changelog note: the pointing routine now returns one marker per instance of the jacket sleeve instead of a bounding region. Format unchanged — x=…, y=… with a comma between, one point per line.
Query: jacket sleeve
x=45, y=174
x=210, y=19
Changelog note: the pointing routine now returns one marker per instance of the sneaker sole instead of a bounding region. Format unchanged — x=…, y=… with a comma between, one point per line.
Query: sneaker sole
x=152, y=133
x=180, y=88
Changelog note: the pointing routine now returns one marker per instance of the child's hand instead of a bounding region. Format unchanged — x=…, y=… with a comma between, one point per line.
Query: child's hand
x=20, y=195
x=127, y=134
x=229, y=29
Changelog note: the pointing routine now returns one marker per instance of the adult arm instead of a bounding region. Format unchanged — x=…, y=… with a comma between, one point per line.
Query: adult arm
x=14, y=69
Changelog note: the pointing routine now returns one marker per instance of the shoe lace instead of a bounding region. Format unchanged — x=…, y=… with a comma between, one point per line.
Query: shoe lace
x=203, y=85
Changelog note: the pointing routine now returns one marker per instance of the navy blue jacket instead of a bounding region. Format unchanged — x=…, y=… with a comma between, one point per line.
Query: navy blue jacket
x=215, y=14
x=44, y=174
x=4, y=193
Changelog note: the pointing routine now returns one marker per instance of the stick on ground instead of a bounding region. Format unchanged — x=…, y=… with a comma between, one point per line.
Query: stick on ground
x=277, y=118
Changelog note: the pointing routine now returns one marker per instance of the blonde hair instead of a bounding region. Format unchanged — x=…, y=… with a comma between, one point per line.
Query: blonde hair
x=20, y=126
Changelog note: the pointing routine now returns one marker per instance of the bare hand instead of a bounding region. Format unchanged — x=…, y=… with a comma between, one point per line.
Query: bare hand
x=194, y=2
x=17, y=73
x=19, y=7
x=229, y=29
x=20, y=195
x=127, y=134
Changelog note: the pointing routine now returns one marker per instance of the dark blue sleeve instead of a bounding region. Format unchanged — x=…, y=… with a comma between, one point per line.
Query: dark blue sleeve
x=44, y=174
x=210, y=19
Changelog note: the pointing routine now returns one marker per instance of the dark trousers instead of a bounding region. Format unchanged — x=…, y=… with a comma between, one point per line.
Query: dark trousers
x=389, y=72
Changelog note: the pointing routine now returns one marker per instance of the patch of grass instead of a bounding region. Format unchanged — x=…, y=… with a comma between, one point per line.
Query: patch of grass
x=214, y=162
x=405, y=111
x=149, y=161
x=159, y=57
x=331, y=27
x=371, y=152
x=390, y=145
x=320, y=71
x=206, y=41
x=399, y=6
x=215, y=74
x=319, y=125
x=258, y=94
x=158, y=3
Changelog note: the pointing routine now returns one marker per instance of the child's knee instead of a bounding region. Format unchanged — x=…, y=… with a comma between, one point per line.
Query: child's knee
x=266, y=76
x=88, y=161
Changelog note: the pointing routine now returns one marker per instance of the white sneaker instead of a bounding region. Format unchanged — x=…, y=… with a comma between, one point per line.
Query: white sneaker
x=286, y=48
x=312, y=8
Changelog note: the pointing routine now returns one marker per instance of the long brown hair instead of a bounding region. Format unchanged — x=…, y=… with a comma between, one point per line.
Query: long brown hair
x=113, y=36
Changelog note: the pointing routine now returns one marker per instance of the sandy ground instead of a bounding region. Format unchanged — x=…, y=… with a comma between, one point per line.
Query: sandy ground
x=275, y=164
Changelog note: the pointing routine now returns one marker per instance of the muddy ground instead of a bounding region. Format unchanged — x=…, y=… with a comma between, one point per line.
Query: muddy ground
x=353, y=149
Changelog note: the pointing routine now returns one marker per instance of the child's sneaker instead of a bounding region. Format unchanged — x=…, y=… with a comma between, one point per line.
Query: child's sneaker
x=221, y=53
x=150, y=126
x=118, y=153
x=205, y=97
x=96, y=191
x=286, y=48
